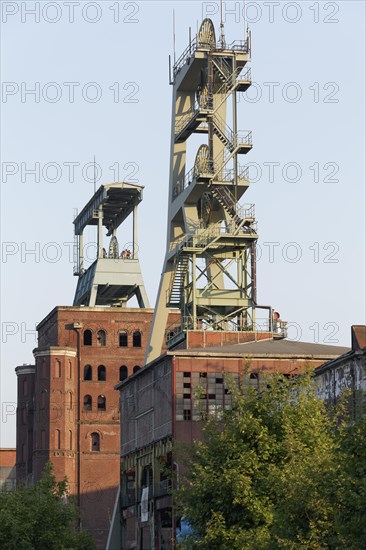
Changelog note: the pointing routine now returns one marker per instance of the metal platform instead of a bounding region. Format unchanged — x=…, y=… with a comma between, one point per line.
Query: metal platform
x=115, y=276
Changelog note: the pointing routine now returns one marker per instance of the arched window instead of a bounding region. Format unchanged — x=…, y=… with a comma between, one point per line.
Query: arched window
x=123, y=373
x=70, y=399
x=23, y=452
x=70, y=440
x=101, y=337
x=57, y=369
x=88, y=337
x=136, y=368
x=25, y=387
x=70, y=370
x=95, y=441
x=136, y=339
x=123, y=339
x=88, y=372
x=102, y=373
x=101, y=403
x=88, y=402
x=43, y=439
x=57, y=439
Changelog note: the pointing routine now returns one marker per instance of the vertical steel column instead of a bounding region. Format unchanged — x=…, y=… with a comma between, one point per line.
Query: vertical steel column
x=81, y=253
x=100, y=231
x=134, y=237
x=194, y=291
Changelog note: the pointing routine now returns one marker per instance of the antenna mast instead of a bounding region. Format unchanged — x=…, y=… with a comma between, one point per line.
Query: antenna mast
x=222, y=32
x=95, y=177
x=174, y=34
x=246, y=28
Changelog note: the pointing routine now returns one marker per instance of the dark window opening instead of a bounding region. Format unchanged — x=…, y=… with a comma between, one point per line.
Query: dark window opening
x=219, y=380
x=186, y=396
x=227, y=391
x=136, y=368
x=136, y=339
x=123, y=373
x=186, y=374
x=187, y=385
x=101, y=337
x=253, y=376
x=211, y=396
x=95, y=441
x=203, y=374
x=123, y=339
x=88, y=403
x=88, y=372
x=101, y=403
x=187, y=414
x=88, y=337
x=102, y=373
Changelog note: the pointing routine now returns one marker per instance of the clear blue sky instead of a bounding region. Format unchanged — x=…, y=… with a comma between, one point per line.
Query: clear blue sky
x=312, y=209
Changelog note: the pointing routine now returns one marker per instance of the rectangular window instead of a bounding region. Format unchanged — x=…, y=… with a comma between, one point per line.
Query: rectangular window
x=123, y=340
x=187, y=415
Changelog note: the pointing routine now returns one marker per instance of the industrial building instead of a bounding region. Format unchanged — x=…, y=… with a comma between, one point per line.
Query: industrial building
x=207, y=328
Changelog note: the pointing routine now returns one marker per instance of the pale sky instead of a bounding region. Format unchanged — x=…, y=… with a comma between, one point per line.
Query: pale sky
x=100, y=78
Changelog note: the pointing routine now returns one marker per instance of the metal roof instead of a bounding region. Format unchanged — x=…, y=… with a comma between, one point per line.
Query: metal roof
x=118, y=201
x=276, y=347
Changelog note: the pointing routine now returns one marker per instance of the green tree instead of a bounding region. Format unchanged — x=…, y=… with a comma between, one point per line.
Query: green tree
x=41, y=517
x=274, y=472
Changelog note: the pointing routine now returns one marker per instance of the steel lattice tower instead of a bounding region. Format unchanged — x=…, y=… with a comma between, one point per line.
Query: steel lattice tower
x=210, y=265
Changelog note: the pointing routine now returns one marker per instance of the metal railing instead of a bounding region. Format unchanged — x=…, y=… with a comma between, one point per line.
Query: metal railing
x=223, y=174
x=260, y=325
x=225, y=131
x=236, y=46
x=202, y=237
x=186, y=117
x=183, y=58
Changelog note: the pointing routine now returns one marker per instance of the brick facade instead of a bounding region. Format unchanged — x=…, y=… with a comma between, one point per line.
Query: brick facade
x=68, y=410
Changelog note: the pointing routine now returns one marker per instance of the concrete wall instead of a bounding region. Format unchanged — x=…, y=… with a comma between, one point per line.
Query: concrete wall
x=347, y=374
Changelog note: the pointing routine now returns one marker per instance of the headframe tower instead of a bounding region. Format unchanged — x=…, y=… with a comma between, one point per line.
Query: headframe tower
x=114, y=277
x=210, y=264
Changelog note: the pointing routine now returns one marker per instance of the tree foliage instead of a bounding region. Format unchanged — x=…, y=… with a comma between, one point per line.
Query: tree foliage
x=279, y=470
x=41, y=517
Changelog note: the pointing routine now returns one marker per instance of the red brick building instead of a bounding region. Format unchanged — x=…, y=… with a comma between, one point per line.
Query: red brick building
x=68, y=410
x=7, y=469
x=159, y=406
